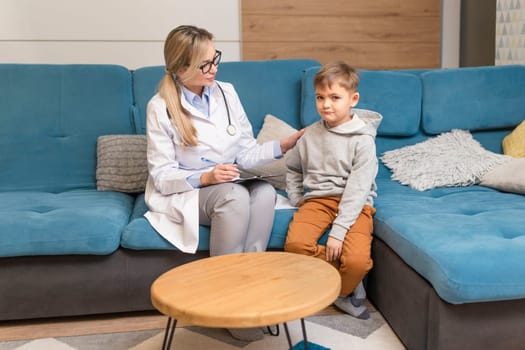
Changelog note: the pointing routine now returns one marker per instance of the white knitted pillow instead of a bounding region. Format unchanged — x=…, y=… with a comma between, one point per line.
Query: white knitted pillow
x=451, y=159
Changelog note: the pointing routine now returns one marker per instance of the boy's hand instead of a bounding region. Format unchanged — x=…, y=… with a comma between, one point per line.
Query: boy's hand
x=334, y=248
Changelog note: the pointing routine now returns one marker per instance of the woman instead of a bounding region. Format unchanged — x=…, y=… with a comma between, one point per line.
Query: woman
x=197, y=133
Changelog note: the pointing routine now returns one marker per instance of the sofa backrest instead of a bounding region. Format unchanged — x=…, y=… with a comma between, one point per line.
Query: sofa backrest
x=418, y=104
x=396, y=95
x=50, y=119
x=488, y=101
x=475, y=99
x=264, y=87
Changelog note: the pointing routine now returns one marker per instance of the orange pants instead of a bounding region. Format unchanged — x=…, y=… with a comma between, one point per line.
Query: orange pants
x=311, y=221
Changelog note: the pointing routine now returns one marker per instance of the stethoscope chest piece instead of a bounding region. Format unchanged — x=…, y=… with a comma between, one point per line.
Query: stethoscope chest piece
x=231, y=130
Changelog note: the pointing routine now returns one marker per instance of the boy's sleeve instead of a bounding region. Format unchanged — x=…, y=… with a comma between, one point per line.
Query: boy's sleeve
x=357, y=190
x=294, y=176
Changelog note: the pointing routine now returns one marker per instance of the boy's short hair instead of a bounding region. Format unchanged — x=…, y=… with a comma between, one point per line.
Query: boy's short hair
x=338, y=72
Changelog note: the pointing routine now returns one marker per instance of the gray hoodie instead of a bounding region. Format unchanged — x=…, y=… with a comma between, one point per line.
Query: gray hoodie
x=339, y=161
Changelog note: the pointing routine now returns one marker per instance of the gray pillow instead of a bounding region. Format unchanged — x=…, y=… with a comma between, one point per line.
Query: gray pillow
x=121, y=163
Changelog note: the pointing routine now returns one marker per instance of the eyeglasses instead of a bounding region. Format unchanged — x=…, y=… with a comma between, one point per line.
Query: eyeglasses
x=206, y=67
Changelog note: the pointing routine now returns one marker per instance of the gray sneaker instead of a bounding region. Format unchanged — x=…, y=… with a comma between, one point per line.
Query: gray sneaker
x=247, y=334
x=346, y=305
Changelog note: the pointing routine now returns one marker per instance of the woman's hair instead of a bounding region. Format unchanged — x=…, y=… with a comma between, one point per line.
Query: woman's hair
x=184, y=48
x=337, y=73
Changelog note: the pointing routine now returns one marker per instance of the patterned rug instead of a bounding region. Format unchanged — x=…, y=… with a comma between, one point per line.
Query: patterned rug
x=336, y=332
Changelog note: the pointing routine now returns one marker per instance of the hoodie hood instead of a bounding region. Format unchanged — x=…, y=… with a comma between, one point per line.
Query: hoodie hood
x=364, y=122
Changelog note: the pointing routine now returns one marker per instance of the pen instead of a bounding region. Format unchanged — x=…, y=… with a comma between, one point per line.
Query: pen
x=211, y=162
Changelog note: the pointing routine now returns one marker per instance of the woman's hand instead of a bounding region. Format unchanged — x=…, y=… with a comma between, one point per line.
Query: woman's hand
x=334, y=247
x=287, y=143
x=219, y=174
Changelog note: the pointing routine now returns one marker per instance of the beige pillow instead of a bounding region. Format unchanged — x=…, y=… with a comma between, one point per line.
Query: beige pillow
x=273, y=129
x=122, y=163
x=514, y=143
x=507, y=177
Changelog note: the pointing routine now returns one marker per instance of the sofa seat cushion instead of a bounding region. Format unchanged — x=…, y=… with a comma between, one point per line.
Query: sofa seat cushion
x=140, y=235
x=468, y=242
x=73, y=222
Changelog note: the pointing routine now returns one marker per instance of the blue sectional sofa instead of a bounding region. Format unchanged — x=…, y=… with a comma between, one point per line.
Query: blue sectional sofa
x=447, y=265
x=447, y=271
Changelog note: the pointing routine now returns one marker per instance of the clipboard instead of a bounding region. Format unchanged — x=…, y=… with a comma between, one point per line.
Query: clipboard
x=254, y=177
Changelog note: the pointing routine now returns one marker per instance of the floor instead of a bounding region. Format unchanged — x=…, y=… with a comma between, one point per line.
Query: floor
x=72, y=326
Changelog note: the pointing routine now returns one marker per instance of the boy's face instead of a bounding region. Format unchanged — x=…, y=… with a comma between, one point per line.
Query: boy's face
x=334, y=103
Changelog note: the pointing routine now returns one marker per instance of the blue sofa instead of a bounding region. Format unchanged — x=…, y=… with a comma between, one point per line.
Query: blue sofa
x=447, y=272
x=67, y=249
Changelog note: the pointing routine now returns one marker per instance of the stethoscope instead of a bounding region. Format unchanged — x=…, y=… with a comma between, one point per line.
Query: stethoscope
x=230, y=129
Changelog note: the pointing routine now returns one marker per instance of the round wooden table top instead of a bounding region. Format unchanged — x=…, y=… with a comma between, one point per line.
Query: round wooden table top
x=246, y=289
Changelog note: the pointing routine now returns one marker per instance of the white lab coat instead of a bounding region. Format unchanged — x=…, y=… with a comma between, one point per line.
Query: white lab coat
x=172, y=201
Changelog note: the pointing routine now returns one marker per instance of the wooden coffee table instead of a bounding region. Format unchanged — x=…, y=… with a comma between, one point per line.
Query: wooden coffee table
x=245, y=290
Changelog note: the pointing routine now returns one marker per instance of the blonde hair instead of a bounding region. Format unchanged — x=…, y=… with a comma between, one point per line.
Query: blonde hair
x=340, y=73
x=185, y=47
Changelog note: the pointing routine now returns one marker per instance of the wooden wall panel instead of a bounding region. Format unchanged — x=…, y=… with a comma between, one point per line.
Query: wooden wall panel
x=418, y=8
x=378, y=34
x=365, y=56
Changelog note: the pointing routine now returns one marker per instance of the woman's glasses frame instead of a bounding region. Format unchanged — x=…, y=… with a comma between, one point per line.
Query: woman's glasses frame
x=206, y=67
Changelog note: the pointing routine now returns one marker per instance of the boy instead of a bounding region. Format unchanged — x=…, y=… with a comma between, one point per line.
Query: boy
x=331, y=178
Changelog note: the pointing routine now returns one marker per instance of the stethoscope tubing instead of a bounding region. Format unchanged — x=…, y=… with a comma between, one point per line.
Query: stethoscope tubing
x=230, y=129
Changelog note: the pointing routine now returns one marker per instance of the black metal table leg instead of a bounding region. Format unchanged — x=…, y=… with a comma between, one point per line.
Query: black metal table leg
x=288, y=335
x=304, y=334
x=272, y=333
x=303, y=328
x=172, y=323
x=168, y=334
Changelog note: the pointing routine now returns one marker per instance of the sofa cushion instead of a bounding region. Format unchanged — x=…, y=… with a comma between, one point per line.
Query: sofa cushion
x=264, y=87
x=145, y=84
x=468, y=242
x=51, y=118
x=477, y=98
x=395, y=95
x=72, y=222
x=140, y=235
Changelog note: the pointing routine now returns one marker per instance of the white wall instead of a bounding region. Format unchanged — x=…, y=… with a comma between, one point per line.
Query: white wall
x=126, y=32
x=450, y=33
